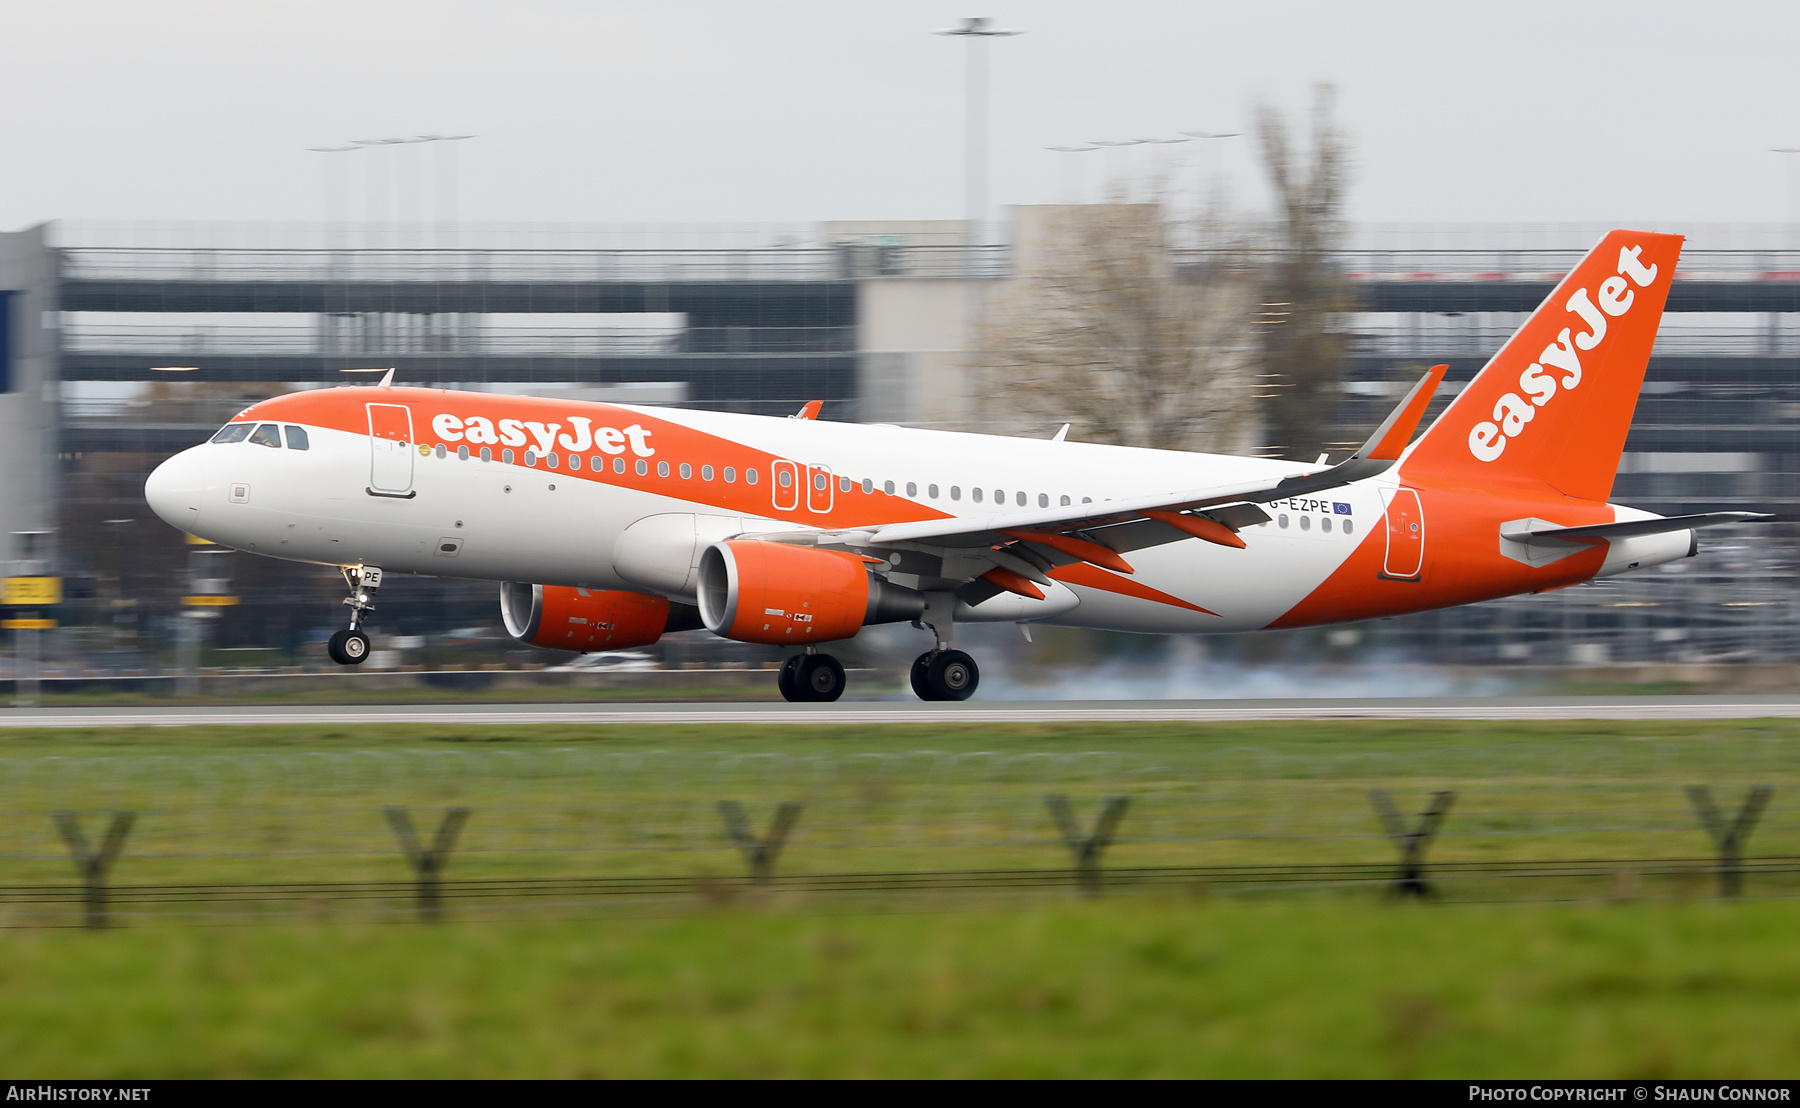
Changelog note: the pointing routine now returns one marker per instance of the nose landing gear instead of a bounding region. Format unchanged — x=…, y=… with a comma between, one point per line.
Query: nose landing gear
x=351, y=646
x=811, y=678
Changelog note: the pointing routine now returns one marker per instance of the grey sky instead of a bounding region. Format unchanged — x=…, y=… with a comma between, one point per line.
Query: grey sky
x=688, y=112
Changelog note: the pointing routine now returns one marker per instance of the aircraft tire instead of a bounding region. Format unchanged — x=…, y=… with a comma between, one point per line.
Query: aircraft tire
x=819, y=678
x=348, y=648
x=785, y=679
x=953, y=675
x=921, y=683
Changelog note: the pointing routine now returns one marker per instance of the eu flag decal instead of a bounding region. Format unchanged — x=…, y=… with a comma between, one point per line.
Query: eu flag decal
x=1339, y=508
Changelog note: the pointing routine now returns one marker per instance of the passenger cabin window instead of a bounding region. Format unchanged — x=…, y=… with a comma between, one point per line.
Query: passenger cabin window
x=531, y=457
x=1064, y=503
x=888, y=487
x=506, y=456
x=574, y=461
x=687, y=472
x=1019, y=499
x=234, y=432
x=296, y=437
x=618, y=465
x=750, y=477
x=706, y=473
x=730, y=475
x=869, y=486
x=597, y=464
x=266, y=434
x=462, y=452
x=784, y=478
x=1044, y=500
x=487, y=454
x=662, y=469
x=551, y=459
x=912, y=489
x=843, y=484
x=930, y=491
x=643, y=467
x=956, y=492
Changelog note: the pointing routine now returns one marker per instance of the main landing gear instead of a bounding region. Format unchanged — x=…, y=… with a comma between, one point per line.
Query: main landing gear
x=945, y=675
x=811, y=677
x=350, y=647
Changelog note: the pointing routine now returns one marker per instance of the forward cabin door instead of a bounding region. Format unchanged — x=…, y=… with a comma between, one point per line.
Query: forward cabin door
x=1405, y=535
x=391, y=451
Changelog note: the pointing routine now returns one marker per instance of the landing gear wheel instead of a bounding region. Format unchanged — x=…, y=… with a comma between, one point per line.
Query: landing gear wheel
x=348, y=648
x=819, y=677
x=952, y=675
x=785, y=680
x=921, y=686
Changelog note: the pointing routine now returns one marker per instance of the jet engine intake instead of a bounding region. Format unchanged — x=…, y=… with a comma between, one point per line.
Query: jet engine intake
x=769, y=592
x=565, y=618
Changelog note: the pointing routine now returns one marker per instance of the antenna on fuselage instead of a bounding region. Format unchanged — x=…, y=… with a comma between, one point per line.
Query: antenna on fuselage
x=387, y=379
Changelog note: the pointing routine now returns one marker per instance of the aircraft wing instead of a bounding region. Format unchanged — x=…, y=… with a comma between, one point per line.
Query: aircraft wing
x=1171, y=510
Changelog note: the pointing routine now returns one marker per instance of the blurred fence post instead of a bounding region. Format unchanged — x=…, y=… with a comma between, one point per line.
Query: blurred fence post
x=1086, y=848
x=93, y=866
x=1410, y=881
x=760, y=853
x=428, y=865
x=1729, y=841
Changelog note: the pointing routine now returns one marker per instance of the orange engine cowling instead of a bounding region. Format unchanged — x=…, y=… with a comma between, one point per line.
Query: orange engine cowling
x=565, y=618
x=768, y=592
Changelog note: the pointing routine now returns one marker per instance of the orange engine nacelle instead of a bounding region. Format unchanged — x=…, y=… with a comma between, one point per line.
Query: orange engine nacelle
x=768, y=592
x=565, y=618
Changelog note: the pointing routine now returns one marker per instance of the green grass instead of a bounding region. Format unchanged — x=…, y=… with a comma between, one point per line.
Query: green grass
x=1164, y=984
x=1137, y=987
x=258, y=804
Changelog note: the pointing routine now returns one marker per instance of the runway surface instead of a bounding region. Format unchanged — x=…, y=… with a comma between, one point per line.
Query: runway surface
x=866, y=712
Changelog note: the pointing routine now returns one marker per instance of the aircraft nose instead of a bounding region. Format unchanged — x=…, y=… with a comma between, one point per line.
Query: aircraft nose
x=173, y=490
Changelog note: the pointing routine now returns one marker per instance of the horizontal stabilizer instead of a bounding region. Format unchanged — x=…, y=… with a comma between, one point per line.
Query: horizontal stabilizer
x=1625, y=529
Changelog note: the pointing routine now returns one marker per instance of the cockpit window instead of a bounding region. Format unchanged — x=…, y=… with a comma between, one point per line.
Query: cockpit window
x=267, y=434
x=234, y=432
x=296, y=437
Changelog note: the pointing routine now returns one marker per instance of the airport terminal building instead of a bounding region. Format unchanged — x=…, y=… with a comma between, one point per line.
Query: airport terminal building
x=121, y=344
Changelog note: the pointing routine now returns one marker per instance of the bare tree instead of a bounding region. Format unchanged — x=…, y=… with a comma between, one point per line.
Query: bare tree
x=1304, y=299
x=1115, y=326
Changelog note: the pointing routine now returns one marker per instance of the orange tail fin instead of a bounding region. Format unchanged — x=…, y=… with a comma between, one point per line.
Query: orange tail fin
x=1554, y=405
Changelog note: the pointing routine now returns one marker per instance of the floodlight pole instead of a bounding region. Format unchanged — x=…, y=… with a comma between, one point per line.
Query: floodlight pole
x=975, y=31
x=1791, y=165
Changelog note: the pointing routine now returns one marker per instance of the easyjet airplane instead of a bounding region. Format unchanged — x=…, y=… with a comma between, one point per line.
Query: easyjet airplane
x=608, y=526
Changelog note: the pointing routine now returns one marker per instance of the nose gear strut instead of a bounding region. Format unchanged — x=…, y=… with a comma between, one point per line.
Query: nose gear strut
x=351, y=646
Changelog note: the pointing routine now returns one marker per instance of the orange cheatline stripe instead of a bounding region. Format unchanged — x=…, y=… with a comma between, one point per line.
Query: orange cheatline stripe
x=1012, y=582
x=1095, y=578
x=1076, y=548
x=1207, y=529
